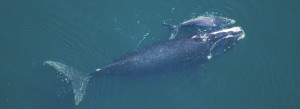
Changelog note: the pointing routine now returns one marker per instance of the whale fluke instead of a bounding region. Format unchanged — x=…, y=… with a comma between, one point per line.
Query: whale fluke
x=78, y=80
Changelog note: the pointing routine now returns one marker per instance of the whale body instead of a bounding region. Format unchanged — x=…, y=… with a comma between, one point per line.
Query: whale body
x=178, y=53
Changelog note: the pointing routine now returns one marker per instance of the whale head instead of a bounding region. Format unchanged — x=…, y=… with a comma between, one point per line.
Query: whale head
x=223, y=22
x=224, y=40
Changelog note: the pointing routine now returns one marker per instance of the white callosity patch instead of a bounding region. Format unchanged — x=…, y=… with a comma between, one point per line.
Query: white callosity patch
x=203, y=37
x=195, y=36
x=233, y=29
x=228, y=36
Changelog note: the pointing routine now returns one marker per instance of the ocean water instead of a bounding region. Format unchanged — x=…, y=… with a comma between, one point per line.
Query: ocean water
x=262, y=72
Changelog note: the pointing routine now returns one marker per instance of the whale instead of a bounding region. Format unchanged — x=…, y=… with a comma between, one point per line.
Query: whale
x=179, y=53
x=201, y=22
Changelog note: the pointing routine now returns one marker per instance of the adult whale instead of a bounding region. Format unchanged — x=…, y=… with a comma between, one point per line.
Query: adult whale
x=179, y=53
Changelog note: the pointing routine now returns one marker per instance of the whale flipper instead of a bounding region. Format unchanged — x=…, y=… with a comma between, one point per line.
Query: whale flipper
x=78, y=80
x=173, y=29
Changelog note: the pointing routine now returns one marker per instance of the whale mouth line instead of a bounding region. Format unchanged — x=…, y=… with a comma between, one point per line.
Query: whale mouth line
x=215, y=43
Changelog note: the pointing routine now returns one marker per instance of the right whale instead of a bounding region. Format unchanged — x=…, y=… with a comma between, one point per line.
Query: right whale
x=179, y=53
x=211, y=22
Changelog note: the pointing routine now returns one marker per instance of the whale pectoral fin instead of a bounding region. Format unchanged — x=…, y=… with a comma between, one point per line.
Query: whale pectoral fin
x=173, y=29
x=172, y=36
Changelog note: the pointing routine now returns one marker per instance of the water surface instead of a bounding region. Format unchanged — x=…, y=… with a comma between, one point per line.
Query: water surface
x=262, y=72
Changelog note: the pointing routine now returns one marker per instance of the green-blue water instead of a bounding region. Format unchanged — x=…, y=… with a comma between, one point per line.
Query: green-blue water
x=262, y=72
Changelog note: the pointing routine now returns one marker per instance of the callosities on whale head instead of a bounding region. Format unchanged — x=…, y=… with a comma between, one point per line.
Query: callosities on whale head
x=223, y=22
x=223, y=40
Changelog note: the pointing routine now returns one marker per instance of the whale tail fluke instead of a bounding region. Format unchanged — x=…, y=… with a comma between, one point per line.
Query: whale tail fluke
x=78, y=80
x=173, y=28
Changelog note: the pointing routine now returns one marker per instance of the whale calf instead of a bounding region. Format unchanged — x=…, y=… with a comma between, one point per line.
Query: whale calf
x=212, y=22
x=179, y=53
